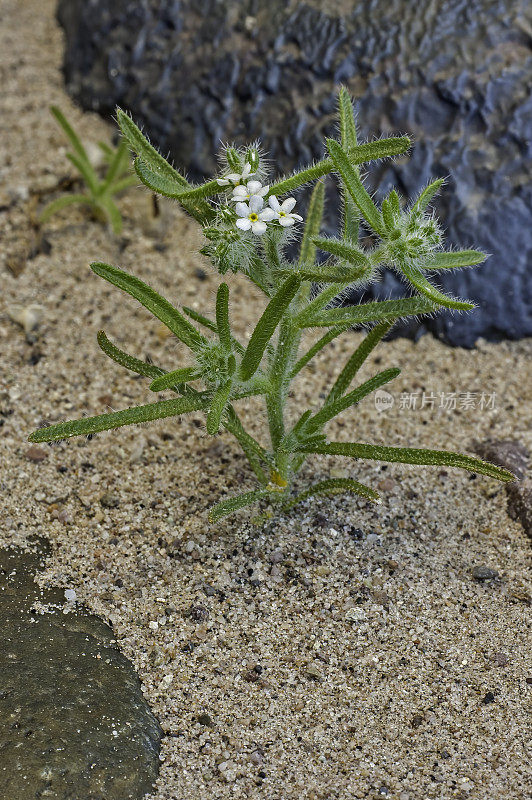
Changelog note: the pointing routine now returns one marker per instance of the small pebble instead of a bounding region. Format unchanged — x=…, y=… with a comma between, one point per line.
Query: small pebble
x=482, y=573
x=36, y=454
x=109, y=500
x=70, y=595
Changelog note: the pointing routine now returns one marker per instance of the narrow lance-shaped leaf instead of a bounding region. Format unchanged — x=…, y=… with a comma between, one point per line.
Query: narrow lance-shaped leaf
x=407, y=455
x=357, y=359
x=157, y=181
x=170, y=379
x=235, y=503
x=71, y=135
x=151, y=157
x=63, y=202
x=354, y=185
x=86, y=171
x=307, y=253
x=254, y=452
x=349, y=140
x=116, y=167
x=127, y=361
x=454, y=259
x=112, y=213
x=426, y=196
x=370, y=312
x=349, y=252
x=316, y=347
x=158, y=306
x=129, y=416
x=222, y=316
x=415, y=276
x=368, y=151
x=332, y=409
x=333, y=486
x=266, y=326
x=218, y=404
x=197, y=317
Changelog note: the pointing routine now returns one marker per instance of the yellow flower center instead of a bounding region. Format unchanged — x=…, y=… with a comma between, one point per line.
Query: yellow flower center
x=254, y=217
x=282, y=214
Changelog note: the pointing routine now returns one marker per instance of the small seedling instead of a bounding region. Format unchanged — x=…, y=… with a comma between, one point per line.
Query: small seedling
x=247, y=226
x=100, y=192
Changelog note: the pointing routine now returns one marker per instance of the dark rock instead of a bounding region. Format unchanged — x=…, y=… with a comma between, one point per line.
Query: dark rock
x=505, y=453
x=36, y=454
x=482, y=573
x=456, y=77
x=109, y=500
x=197, y=613
x=513, y=456
x=206, y=719
x=489, y=697
x=519, y=496
x=74, y=721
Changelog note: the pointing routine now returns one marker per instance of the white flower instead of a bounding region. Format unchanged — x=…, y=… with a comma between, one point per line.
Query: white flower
x=251, y=189
x=282, y=211
x=235, y=178
x=253, y=216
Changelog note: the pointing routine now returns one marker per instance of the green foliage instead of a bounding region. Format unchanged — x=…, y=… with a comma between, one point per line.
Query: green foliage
x=247, y=227
x=100, y=191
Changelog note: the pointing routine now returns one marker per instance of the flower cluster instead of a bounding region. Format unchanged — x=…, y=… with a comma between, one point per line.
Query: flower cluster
x=250, y=197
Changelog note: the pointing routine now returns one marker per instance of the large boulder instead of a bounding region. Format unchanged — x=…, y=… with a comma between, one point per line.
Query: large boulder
x=456, y=75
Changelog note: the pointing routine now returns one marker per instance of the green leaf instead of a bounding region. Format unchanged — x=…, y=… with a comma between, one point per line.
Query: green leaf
x=234, y=503
x=71, y=135
x=266, y=326
x=454, y=259
x=222, y=316
x=357, y=359
x=116, y=166
x=319, y=345
x=123, y=183
x=307, y=253
x=158, y=306
x=63, y=202
x=112, y=213
x=349, y=140
x=382, y=148
x=217, y=407
x=369, y=312
x=254, y=452
x=197, y=317
x=328, y=273
x=335, y=407
x=127, y=361
x=153, y=160
x=207, y=189
x=356, y=189
x=86, y=171
x=129, y=416
x=170, y=379
x=407, y=455
x=157, y=181
x=330, y=487
x=415, y=276
x=347, y=251
x=427, y=195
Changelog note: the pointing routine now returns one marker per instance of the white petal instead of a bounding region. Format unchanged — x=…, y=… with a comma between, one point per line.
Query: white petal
x=286, y=222
x=247, y=170
x=258, y=227
x=255, y=203
x=288, y=204
x=243, y=223
x=264, y=191
x=242, y=209
x=297, y=217
x=234, y=177
x=253, y=187
x=240, y=193
x=222, y=181
x=274, y=203
x=267, y=214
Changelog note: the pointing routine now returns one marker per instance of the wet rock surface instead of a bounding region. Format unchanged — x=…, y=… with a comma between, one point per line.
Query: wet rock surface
x=73, y=721
x=456, y=77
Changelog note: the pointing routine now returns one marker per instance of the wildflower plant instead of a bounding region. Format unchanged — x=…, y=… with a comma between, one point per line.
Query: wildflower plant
x=247, y=223
x=99, y=192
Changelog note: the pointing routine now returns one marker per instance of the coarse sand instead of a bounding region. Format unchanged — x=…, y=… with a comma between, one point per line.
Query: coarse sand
x=342, y=651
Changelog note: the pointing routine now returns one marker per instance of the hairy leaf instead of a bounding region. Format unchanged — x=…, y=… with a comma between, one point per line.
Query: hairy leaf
x=307, y=253
x=454, y=259
x=266, y=326
x=333, y=408
x=235, y=503
x=170, y=379
x=357, y=359
x=356, y=189
x=129, y=416
x=127, y=361
x=426, y=196
x=222, y=316
x=425, y=287
x=332, y=486
x=149, y=298
x=407, y=455
x=370, y=312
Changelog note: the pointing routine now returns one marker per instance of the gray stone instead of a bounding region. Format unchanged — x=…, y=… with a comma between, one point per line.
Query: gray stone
x=455, y=75
x=519, y=496
x=482, y=573
x=505, y=453
x=73, y=721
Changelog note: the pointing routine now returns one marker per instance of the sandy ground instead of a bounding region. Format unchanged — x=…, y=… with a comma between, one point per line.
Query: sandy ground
x=344, y=651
